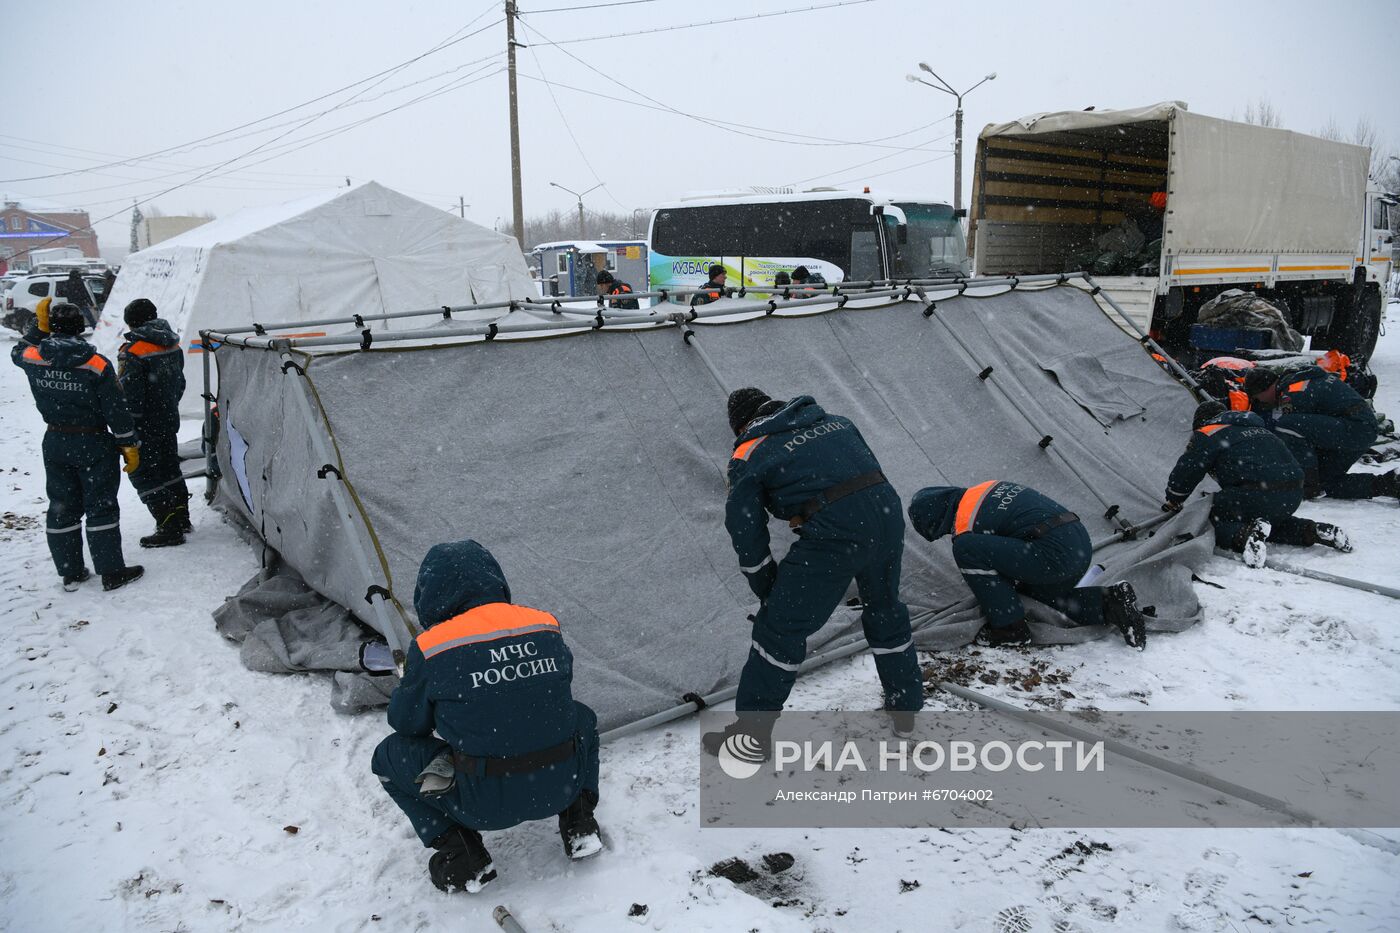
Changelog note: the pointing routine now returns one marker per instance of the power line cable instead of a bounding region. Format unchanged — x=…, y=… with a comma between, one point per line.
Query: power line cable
x=713, y=22
x=591, y=6
x=392, y=70
x=894, y=171
x=888, y=155
x=570, y=130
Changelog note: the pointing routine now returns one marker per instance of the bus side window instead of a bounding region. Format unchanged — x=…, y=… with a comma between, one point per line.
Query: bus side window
x=865, y=255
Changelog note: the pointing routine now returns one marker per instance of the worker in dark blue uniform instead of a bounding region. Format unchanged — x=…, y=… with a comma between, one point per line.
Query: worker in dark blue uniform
x=79, y=398
x=814, y=471
x=1261, y=485
x=715, y=289
x=151, y=366
x=1327, y=427
x=492, y=680
x=611, y=286
x=1010, y=539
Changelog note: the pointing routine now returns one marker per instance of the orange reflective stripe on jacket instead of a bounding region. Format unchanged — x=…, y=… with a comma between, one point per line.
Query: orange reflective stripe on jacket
x=1210, y=429
x=485, y=623
x=146, y=348
x=1297, y=386
x=32, y=355
x=95, y=363
x=743, y=450
x=1239, y=401
x=968, y=505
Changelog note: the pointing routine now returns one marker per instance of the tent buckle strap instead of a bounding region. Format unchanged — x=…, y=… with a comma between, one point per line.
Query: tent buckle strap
x=366, y=338
x=377, y=590
x=446, y=312
x=1046, y=441
x=984, y=374
x=291, y=365
x=491, y=330
x=328, y=469
x=695, y=698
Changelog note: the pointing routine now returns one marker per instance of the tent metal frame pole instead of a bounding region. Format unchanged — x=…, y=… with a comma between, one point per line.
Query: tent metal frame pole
x=398, y=641
x=1110, y=512
x=688, y=338
x=1144, y=338
x=207, y=441
x=1320, y=575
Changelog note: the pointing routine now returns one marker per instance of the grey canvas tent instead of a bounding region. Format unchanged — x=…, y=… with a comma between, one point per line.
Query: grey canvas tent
x=587, y=449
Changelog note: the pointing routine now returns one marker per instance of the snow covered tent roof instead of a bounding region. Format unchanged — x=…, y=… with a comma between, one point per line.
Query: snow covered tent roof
x=358, y=250
x=589, y=453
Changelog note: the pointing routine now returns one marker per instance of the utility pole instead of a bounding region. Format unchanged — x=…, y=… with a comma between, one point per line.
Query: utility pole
x=947, y=88
x=517, y=199
x=462, y=205
x=580, y=202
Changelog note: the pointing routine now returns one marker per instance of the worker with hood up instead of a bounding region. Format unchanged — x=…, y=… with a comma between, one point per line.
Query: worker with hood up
x=1010, y=539
x=487, y=734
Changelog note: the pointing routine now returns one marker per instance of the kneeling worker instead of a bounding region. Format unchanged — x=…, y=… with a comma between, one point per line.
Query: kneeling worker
x=814, y=471
x=1010, y=539
x=1327, y=427
x=77, y=393
x=492, y=679
x=1261, y=485
x=151, y=367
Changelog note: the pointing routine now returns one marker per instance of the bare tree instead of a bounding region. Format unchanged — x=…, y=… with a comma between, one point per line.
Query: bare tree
x=563, y=225
x=1262, y=112
x=1384, y=168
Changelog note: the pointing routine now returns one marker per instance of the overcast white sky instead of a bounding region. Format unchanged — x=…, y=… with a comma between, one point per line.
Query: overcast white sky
x=144, y=75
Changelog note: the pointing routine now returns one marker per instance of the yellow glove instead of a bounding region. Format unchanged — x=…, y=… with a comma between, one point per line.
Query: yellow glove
x=41, y=314
x=132, y=456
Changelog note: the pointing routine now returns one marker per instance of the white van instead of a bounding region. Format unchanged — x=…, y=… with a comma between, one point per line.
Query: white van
x=24, y=296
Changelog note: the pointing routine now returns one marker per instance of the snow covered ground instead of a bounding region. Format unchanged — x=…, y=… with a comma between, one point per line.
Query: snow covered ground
x=149, y=782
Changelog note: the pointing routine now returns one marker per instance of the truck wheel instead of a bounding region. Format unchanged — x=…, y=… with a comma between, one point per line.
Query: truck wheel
x=1359, y=327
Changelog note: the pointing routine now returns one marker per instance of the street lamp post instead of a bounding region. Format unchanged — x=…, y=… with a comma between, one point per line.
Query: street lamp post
x=947, y=88
x=578, y=195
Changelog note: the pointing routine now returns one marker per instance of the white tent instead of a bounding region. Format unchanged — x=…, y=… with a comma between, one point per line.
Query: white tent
x=359, y=250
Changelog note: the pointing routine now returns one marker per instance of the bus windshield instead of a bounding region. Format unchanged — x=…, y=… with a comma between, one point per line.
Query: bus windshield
x=935, y=245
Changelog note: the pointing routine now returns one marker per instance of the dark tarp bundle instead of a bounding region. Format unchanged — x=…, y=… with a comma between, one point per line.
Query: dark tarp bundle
x=1236, y=308
x=593, y=465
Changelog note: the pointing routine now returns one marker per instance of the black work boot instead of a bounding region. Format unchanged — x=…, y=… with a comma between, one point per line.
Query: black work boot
x=1120, y=610
x=1014, y=635
x=120, y=578
x=461, y=862
x=164, y=536
x=73, y=581
x=748, y=739
x=180, y=518
x=1332, y=536
x=1252, y=543
x=578, y=828
x=170, y=526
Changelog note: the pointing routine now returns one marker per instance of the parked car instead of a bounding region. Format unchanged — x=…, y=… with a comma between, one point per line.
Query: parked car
x=24, y=296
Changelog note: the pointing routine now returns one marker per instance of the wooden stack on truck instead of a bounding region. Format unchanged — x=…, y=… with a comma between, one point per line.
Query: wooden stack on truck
x=1291, y=217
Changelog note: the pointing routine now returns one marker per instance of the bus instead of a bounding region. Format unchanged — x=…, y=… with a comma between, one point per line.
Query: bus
x=838, y=235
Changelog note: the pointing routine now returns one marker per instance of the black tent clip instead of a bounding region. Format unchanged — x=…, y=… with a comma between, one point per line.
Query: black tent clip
x=491, y=331
x=328, y=469
x=291, y=365
x=846, y=298
x=366, y=338
x=929, y=308
x=1112, y=511
x=259, y=329
x=446, y=313
x=1095, y=290
x=598, y=319
x=687, y=334
x=359, y=321
x=1046, y=441
x=772, y=306
x=983, y=376
x=695, y=698
x=377, y=590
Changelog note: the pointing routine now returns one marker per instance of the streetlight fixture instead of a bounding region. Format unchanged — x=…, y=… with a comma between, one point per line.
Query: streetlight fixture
x=947, y=88
x=578, y=195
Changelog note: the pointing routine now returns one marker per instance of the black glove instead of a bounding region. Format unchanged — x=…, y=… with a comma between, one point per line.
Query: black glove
x=1170, y=506
x=761, y=580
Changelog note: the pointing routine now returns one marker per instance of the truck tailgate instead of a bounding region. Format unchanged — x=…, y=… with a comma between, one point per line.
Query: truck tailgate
x=1134, y=294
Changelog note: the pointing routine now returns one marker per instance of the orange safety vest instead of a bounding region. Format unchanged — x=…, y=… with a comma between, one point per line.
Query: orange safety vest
x=485, y=623
x=1239, y=401
x=968, y=505
x=1335, y=361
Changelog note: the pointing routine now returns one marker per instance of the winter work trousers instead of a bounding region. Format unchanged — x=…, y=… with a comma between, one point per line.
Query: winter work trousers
x=82, y=479
x=158, y=479
x=485, y=803
x=1234, y=509
x=998, y=568
x=1326, y=448
x=861, y=538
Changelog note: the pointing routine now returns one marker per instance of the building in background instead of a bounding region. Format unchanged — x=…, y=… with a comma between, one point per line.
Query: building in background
x=571, y=267
x=23, y=229
x=153, y=230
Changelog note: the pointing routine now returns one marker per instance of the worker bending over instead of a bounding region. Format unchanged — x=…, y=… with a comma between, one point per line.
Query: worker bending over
x=1010, y=539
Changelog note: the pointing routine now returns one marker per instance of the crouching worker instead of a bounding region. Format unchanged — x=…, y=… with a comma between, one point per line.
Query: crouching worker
x=1261, y=485
x=1327, y=427
x=1009, y=539
x=814, y=471
x=492, y=679
x=151, y=367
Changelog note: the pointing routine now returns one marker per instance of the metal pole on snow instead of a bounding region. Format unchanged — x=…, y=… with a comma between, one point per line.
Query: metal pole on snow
x=208, y=438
